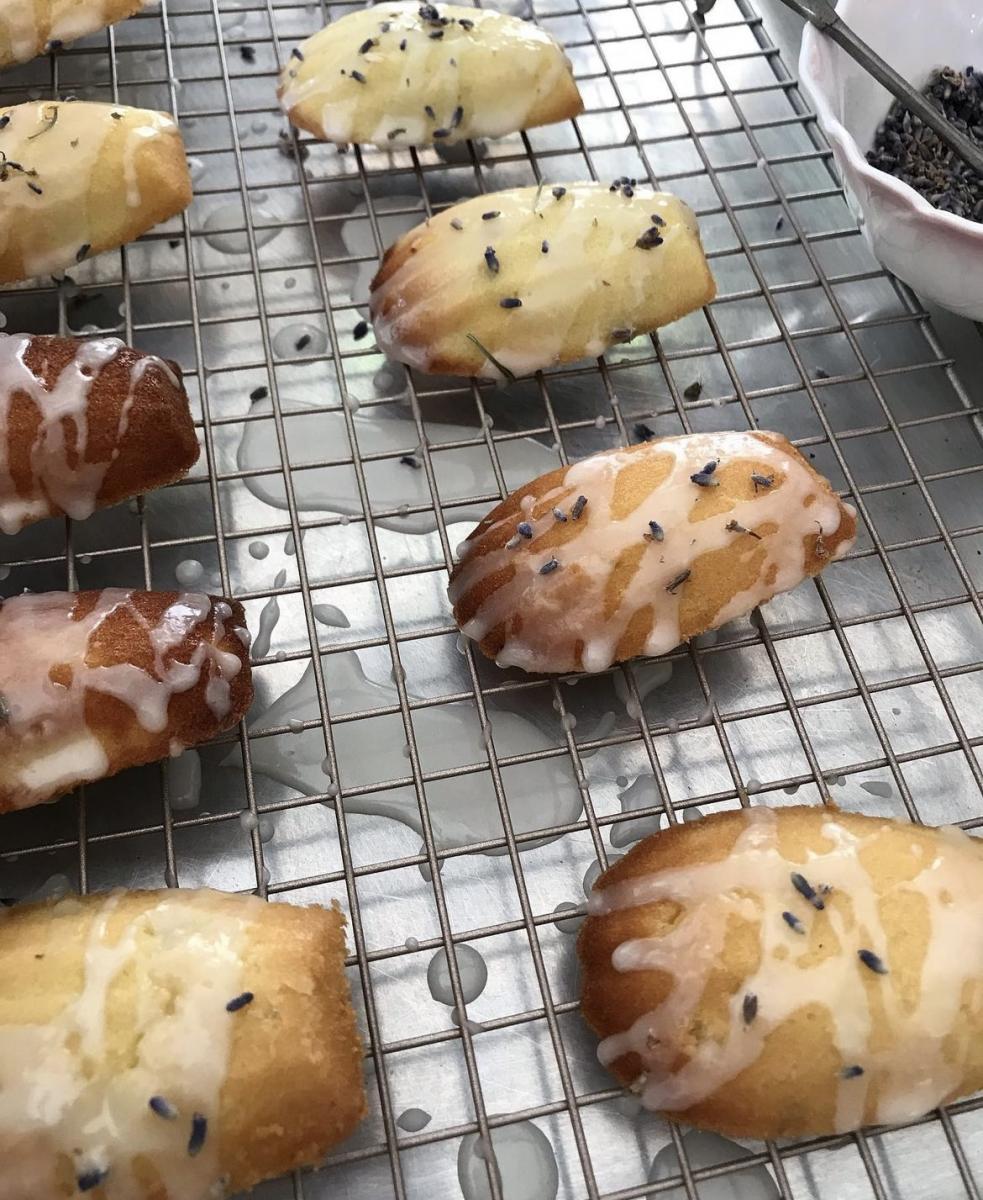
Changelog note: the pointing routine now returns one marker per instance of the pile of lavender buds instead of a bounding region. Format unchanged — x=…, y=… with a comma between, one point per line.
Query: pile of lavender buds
x=909, y=150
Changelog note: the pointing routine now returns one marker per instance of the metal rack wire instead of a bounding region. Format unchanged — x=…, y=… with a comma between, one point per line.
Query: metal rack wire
x=864, y=685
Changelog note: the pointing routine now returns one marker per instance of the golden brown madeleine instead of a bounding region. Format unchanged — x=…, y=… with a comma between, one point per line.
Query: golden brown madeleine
x=632, y=551
x=520, y=280
x=94, y=682
x=182, y=1044
x=777, y=972
x=411, y=75
x=32, y=27
x=85, y=424
x=78, y=178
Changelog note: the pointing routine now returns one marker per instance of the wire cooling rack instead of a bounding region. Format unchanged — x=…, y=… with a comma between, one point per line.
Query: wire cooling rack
x=444, y=803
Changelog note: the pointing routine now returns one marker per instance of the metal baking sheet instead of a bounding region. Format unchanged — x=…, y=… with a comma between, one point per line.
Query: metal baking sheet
x=444, y=803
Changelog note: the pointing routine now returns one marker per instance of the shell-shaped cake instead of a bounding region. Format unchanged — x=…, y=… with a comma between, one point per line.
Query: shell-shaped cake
x=171, y=1045
x=94, y=682
x=516, y=281
x=773, y=973
x=85, y=424
x=32, y=27
x=78, y=178
x=631, y=552
x=418, y=74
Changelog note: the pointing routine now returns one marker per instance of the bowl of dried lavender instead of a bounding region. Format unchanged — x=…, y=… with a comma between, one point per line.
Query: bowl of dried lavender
x=919, y=206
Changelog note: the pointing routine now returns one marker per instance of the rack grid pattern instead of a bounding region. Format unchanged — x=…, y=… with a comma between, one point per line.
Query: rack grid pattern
x=862, y=687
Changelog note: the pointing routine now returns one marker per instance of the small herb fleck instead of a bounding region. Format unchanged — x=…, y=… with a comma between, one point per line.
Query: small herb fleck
x=545, y=247
x=239, y=1001
x=248, y=53
x=657, y=220
x=693, y=391
x=872, y=961
x=705, y=478
x=357, y=76
x=737, y=527
x=578, y=507
x=649, y=239
x=559, y=192
x=402, y=44
x=524, y=529
x=50, y=119
x=91, y=1179
x=490, y=216
x=764, y=481
x=295, y=53
x=643, y=432
x=793, y=922
x=501, y=367
x=457, y=116
x=678, y=582
x=259, y=393
x=440, y=133
x=34, y=188
x=4, y=120
x=117, y=116
x=302, y=342
x=384, y=27
x=851, y=1072
x=559, y=514
x=510, y=302
x=466, y=23
x=805, y=889
x=656, y=532
x=549, y=566
x=428, y=12
x=367, y=45
x=436, y=34
x=428, y=109
x=82, y=251
x=822, y=550
x=491, y=259
x=394, y=133
x=749, y=1008
x=360, y=330
x=199, y=1131
x=162, y=1108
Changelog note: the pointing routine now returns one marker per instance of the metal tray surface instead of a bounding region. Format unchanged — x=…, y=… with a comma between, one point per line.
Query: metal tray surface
x=443, y=802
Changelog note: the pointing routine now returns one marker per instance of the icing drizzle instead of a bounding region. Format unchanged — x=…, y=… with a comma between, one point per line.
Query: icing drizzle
x=893, y=1041
x=63, y=479
x=45, y=675
x=71, y=1093
x=572, y=617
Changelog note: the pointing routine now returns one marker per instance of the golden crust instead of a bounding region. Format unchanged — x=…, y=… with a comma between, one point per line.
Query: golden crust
x=56, y=20
x=486, y=75
x=436, y=302
x=717, y=576
x=791, y=1087
x=293, y=1086
x=121, y=638
x=158, y=446
x=100, y=181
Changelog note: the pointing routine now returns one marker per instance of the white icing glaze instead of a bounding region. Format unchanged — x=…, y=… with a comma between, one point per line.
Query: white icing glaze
x=63, y=479
x=27, y=27
x=60, y=149
x=500, y=71
x=49, y=745
x=795, y=506
x=65, y=1094
x=593, y=285
x=900, y=1047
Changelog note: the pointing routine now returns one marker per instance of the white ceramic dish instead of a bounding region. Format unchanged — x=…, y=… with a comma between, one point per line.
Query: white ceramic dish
x=938, y=254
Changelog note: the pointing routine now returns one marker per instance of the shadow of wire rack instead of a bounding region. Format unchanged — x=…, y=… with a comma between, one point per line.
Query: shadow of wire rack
x=476, y=804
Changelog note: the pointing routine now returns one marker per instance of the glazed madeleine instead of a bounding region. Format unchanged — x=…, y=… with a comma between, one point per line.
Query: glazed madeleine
x=516, y=281
x=633, y=551
x=32, y=27
x=78, y=178
x=772, y=973
x=85, y=424
x=172, y=1045
x=93, y=682
x=412, y=75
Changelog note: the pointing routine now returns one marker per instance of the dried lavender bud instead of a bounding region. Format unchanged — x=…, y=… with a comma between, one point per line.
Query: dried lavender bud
x=578, y=507
x=872, y=961
x=491, y=260
x=749, y=1009
x=643, y=432
x=656, y=532
x=510, y=302
x=678, y=582
x=693, y=391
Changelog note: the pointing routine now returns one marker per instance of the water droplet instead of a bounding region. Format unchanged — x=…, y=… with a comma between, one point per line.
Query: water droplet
x=196, y=168
x=295, y=725
x=259, y=126
x=600, y=421
x=188, y=572
x=280, y=656
x=326, y=767
x=289, y=545
x=330, y=614
x=594, y=871
x=4, y=572
x=877, y=787
x=3, y=320
x=225, y=228
x=412, y=1120
x=85, y=559
x=267, y=829
x=791, y=789
x=249, y=821
x=406, y=750
x=471, y=968
x=692, y=814
x=259, y=550
x=568, y=924
x=299, y=340
x=412, y=943
x=184, y=781
x=707, y=1150
x=290, y=283
x=523, y=1156
x=568, y=722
